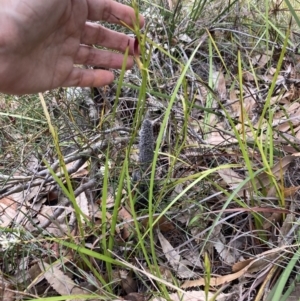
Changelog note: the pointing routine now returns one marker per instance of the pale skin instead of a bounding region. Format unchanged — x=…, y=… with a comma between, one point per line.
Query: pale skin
x=43, y=43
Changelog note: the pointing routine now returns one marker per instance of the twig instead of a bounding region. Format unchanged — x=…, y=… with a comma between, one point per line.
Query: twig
x=45, y=176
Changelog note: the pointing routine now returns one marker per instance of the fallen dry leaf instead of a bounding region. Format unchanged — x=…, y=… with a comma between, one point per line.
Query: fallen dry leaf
x=8, y=211
x=230, y=177
x=285, y=229
x=271, y=220
x=248, y=266
x=163, y=224
x=261, y=60
x=128, y=284
x=290, y=191
x=228, y=254
x=259, y=259
x=80, y=172
x=215, y=138
x=126, y=216
x=135, y=297
x=224, y=252
x=234, y=103
x=174, y=258
x=6, y=291
x=248, y=76
x=83, y=204
x=195, y=296
x=60, y=282
x=221, y=85
x=263, y=180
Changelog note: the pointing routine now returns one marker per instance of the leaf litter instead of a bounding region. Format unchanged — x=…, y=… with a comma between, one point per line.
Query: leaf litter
x=243, y=237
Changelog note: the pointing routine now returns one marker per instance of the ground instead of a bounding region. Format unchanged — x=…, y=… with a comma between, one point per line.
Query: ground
x=180, y=181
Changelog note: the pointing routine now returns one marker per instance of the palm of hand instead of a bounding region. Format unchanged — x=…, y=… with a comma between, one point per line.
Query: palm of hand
x=43, y=41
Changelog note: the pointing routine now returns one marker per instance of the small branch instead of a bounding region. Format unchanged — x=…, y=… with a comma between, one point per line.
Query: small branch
x=45, y=176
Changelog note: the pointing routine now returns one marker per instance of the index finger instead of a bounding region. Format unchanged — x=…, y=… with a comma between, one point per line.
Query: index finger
x=112, y=12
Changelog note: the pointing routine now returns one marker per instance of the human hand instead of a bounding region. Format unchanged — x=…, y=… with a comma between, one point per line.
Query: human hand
x=40, y=41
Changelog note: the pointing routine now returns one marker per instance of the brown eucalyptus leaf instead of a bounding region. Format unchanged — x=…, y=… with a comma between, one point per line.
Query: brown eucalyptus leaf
x=60, y=282
x=128, y=284
x=135, y=297
x=195, y=296
x=174, y=258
